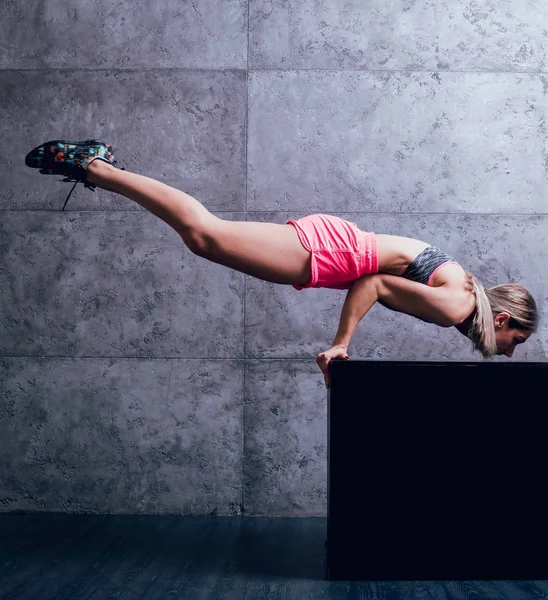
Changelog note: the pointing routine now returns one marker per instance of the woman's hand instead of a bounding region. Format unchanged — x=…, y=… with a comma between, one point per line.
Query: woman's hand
x=324, y=358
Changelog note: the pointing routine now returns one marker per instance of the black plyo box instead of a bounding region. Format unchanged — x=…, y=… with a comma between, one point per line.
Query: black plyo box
x=437, y=471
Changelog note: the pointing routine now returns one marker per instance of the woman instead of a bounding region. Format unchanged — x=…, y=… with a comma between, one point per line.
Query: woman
x=403, y=274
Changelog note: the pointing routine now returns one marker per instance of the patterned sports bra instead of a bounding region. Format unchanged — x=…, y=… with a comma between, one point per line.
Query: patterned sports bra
x=422, y=269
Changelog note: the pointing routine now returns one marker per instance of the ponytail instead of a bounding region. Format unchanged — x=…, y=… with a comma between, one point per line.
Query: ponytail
x=482, y=329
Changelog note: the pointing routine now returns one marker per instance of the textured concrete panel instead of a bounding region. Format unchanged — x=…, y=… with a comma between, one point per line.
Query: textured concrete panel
x=497, y=249
x=111, y=397
x=391, y=142
x=486, y=35
x=184, y=128
x=139, y=34
x=121, y=436
x=285, y=442
x=112, y=284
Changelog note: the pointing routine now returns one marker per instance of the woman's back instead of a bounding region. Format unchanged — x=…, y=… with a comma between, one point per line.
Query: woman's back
x=396, y=253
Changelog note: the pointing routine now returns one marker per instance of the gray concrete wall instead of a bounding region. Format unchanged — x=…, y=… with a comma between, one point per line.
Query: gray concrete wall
x=137, y=377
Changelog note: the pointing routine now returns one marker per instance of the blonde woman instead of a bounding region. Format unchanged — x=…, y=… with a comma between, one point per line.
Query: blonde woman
x=403, y=274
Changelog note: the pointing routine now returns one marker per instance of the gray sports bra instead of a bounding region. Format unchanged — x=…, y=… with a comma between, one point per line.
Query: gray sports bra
x=422, y=268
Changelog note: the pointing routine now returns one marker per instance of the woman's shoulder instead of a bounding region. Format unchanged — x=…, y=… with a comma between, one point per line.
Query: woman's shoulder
x=449, y=273
x=454, y=278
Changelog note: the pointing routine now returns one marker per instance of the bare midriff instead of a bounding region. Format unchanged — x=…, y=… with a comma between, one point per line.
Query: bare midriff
x=396, y=253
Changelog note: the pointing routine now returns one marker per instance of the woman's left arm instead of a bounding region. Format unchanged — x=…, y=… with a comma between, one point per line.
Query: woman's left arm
x=446, y=305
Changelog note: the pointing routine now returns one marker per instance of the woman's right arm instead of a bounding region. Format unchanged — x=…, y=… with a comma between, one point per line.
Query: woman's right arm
x=445, y=305
x=358, y=302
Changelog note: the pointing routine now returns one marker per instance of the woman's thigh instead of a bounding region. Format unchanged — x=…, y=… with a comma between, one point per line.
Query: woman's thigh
x=269, y=251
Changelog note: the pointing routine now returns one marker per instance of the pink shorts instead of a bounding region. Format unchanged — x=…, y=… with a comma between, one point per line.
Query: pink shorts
x=341, y=253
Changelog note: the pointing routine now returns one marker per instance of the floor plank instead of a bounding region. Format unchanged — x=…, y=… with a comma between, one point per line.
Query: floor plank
x=107, y=557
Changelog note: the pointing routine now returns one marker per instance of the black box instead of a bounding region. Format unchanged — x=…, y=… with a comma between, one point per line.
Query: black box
x=437, y=471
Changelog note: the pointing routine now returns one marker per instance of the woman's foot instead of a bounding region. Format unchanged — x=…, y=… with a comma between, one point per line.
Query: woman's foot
x=62, y=157
x=74, y=160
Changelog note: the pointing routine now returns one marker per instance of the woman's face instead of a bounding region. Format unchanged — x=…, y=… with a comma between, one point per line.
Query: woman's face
x=508, y=337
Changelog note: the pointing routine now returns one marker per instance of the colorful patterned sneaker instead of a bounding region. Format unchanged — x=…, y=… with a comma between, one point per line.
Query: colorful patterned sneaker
x=70, y=159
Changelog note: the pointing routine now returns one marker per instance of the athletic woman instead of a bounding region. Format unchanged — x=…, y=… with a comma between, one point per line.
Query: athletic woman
x=403, y=274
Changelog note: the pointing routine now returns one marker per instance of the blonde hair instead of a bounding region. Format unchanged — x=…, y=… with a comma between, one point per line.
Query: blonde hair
x=512, y=298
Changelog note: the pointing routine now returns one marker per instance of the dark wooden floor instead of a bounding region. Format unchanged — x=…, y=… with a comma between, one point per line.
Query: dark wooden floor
x=77, y=557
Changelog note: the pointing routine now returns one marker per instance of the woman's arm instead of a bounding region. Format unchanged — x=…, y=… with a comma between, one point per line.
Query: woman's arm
x=445, y=305
x=359, y=300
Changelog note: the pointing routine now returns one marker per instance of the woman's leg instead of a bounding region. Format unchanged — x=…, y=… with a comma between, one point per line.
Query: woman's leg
x=268, y=251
